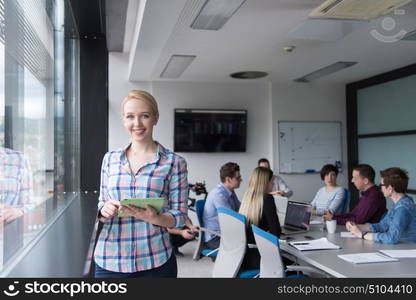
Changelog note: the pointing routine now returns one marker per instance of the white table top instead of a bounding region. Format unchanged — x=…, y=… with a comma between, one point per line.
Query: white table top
x=329, y=262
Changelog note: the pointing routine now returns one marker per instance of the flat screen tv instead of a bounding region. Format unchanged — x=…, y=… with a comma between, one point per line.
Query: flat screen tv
x=208, y=130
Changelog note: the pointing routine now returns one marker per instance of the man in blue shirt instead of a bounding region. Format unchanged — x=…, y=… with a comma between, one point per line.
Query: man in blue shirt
x=222, y=195
x=399, y=225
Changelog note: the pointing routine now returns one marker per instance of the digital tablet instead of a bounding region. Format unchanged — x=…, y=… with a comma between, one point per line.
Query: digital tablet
x=156, y=203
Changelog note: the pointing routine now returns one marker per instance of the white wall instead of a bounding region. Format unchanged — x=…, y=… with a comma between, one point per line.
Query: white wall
x=308, y=102
x=254, y=97
x=118, y=88
x=266, y=104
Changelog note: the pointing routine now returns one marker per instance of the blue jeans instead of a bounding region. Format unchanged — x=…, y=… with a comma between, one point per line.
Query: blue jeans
x=169, y=270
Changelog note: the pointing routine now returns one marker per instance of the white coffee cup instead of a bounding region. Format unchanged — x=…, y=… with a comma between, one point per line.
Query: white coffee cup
x=331, y=226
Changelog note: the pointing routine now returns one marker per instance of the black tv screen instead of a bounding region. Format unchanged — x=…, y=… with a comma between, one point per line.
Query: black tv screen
x=203, y=130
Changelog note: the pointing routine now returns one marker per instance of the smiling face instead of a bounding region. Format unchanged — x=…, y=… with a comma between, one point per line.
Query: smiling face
x=139, y=120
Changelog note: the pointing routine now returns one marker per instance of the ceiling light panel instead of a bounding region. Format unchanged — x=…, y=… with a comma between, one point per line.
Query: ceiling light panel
x=338, y=66
x=410, y=36
x=177, y=65
x=215, y=13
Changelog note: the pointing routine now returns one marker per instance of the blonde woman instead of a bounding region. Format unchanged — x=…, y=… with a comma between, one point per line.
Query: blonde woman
x=259, y=208
x=138, y=245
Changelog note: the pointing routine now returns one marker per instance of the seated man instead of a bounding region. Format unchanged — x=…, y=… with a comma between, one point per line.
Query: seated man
x=280, y=187
x=399, y=225
x=179, y=237
x=371, y=205
x=222, y=195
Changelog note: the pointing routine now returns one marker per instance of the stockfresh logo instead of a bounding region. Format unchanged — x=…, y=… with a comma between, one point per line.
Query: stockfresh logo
x=12, y=290
x=388, y=25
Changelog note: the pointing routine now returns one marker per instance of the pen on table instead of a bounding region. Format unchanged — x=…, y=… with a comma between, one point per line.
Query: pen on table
x=300, y=244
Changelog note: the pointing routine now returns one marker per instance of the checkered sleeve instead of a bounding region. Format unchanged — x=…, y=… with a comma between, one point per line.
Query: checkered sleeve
x=178, y=191
x=103, y=197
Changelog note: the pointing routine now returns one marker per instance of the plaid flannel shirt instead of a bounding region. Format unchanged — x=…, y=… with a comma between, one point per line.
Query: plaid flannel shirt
x=127, y=244
x=15, y=179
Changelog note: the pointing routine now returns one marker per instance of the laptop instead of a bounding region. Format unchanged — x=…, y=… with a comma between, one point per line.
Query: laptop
x=298, y=216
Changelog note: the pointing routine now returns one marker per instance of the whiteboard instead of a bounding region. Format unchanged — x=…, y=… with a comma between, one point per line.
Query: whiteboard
x=304, y=147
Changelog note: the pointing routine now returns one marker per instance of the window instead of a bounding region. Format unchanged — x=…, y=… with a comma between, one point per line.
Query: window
x=381, y=123
x=39, y=125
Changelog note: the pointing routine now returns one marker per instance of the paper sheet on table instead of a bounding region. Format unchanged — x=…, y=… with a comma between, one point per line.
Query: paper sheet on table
x=347, y=234
x=366, y=258
x=409, y=253
x=319, y=244
x=316, y=222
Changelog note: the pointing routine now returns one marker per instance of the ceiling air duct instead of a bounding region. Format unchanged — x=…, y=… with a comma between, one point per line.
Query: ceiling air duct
x=356, y=9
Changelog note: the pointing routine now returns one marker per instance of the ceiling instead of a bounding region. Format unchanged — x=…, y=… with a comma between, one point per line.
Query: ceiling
x=253, y=40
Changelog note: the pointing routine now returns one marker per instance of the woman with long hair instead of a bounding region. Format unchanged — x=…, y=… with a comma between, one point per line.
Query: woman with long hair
x=260, y=209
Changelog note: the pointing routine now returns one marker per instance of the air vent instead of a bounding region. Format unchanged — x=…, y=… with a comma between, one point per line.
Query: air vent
x=356, y=9
x=249, y=75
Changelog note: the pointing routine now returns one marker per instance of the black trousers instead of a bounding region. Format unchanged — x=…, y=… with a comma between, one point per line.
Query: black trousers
x=213, y=243
x=177, y=240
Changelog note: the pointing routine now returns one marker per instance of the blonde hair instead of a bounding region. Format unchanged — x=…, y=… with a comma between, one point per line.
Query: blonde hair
x=252, y=204
x=144, y=96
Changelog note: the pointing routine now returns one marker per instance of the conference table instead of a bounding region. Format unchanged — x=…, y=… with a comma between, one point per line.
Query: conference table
x=329, y=262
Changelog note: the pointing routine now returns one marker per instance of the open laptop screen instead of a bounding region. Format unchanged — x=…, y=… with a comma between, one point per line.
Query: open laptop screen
x=298, y=214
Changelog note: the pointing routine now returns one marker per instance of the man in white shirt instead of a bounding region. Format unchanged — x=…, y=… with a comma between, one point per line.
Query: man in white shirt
x=280, y=188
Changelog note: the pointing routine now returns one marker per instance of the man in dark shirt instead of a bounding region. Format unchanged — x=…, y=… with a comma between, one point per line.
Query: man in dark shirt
x=372, y=204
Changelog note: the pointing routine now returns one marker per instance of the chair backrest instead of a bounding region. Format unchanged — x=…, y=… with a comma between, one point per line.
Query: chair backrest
x=199, y=208
x=270, y=260
x=233, y=243
x=346, y=202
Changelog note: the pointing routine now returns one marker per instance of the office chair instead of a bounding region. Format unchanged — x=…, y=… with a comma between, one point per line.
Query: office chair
x=346, y=202
x=233, y=246
x=199, y=250
x=271, y=265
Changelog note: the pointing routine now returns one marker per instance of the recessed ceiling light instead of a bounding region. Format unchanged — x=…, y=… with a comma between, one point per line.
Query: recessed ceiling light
x=289, y=48
x=215, y=13
x=249, y=75
x=326, y=71
x=176, y=65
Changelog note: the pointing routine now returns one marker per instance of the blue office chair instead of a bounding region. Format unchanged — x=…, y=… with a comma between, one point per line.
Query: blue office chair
x=199, y=250
x=271, y=265
x=233, y=245
x=346, y=202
